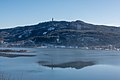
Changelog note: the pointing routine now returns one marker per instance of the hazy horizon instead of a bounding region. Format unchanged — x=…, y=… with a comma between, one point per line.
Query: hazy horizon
x=29, y=12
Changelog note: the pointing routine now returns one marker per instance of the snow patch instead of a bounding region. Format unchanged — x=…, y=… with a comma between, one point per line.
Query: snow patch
x=44, y=33
x=51, y=28
x=20, y=36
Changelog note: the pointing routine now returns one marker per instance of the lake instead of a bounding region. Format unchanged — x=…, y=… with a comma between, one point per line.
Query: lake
x=61, y=64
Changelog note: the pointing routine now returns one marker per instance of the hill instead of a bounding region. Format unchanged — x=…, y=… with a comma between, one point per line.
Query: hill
x=62, y=33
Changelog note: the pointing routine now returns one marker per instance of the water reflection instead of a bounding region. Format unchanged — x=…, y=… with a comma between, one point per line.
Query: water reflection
x=76, y=64
x=68, y=64
x=6, y=76
x=3, y=76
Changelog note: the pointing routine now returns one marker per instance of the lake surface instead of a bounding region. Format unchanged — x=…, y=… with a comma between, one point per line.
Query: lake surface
x=61, y=64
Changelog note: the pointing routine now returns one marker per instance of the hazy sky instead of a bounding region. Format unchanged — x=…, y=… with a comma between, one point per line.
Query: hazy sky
x=25, y=12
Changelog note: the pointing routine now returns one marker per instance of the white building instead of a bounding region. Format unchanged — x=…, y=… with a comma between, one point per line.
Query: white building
x=1, y=41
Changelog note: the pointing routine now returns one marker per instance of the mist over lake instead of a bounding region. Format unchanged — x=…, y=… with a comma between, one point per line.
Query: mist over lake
x=61, y=64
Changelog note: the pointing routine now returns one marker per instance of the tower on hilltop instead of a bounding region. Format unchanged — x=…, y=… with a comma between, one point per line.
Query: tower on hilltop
x=52, y=19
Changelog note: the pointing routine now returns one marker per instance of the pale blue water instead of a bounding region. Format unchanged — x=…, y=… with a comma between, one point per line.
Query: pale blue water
x=99, y=65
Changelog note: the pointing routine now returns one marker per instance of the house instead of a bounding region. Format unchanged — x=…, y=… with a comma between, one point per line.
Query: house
x=1, y=40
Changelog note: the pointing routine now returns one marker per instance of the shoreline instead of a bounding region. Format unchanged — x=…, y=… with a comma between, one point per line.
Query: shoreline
x=16, y=55
x=23, y=50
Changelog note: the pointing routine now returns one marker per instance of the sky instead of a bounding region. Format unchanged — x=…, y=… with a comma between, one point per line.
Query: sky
x=15, y=13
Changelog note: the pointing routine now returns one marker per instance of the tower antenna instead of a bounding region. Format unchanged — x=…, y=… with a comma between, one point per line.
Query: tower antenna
x=52, y=19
